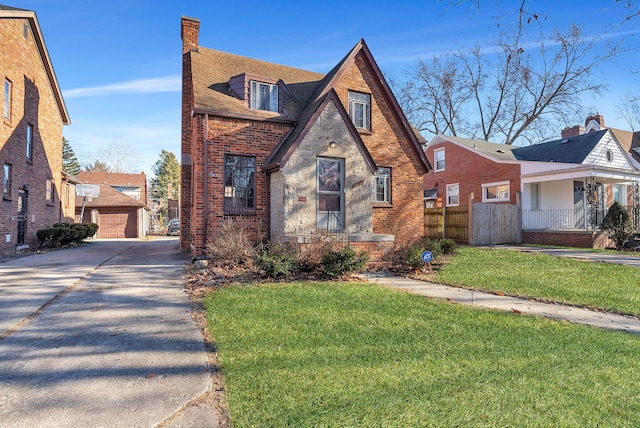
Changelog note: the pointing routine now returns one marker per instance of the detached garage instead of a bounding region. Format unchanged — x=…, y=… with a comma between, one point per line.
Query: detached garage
x=118, y=215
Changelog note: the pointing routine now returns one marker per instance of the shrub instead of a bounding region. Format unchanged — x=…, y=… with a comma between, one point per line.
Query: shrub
x=336, y=263
x=230, y=245
x=278, y=260
x=616, y=224
x=411, y=255
x=447, y=245
x=92, y=229
x=61, y=234
x=81, y=229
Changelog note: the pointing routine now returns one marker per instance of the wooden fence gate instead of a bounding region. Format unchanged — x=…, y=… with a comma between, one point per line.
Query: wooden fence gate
x=496, y=224
x=487, y=224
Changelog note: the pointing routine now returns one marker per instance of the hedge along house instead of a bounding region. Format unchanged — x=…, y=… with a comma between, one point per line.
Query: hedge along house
x=291, y=153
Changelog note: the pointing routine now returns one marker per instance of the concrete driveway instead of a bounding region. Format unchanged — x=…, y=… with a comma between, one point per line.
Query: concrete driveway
x=101, y=336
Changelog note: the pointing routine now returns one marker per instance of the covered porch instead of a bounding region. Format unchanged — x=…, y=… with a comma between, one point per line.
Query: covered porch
x=566, y=206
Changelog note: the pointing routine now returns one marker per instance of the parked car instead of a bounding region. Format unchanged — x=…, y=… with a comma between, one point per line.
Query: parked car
x=173, y=227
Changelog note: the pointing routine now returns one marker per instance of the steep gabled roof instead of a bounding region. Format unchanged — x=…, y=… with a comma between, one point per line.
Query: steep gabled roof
x=287, y=146
x=338, y=71
x=566, y=150
x=212, y=70
x=7, y=12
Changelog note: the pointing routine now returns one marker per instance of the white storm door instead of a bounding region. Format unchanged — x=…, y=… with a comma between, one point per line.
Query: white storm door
x=330, y=204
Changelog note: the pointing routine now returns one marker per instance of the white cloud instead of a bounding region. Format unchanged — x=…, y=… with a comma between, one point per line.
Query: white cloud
x=140, y=86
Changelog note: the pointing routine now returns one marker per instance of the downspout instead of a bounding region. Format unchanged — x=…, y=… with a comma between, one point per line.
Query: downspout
x=206, y=178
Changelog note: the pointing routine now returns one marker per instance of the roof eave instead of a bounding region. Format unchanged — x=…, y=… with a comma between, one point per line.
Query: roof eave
x=31, y=17
x=213, y=112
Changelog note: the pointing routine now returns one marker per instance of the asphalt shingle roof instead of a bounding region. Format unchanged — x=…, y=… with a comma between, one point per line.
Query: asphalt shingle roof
x=3, y=7
x=495, y=150
x=211, y=71
x=566, y=150
x=109, y=197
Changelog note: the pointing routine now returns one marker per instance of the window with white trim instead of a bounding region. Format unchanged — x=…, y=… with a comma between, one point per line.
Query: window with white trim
x=619, y=194
x=382, y=185
x=6, y=182
x=48, y=193
x=6, y=109
x=438, y=160
x=535, y=196
x=453, y=195
x=29, y=141
x=263, y=96
x=495, y=192
x=360, y=110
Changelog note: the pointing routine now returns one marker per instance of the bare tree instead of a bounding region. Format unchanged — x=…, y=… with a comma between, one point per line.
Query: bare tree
x=629, y=109
x=118, y=156
x=514, y=91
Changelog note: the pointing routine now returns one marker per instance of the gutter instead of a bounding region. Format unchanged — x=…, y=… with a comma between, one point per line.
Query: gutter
x=206, y=178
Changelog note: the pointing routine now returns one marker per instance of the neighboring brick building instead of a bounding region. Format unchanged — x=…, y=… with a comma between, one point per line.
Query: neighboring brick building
x=33, y=113
x=565, y=186
x=293, y=153
x=462, y=167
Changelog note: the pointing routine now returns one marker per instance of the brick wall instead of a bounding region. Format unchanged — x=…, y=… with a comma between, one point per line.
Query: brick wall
x=235, y=137
x=470, y=171
x=32, y=103
x=578, y=239
x=389, y=146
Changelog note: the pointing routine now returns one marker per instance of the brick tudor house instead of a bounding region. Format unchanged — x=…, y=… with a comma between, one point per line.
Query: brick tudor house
x=565, y=186
x=292, y=153
x=33, y=113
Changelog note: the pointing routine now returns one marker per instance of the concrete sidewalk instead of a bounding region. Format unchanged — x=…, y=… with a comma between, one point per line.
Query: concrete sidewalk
x=101, y=336
x=507, y=303
x=619, y=258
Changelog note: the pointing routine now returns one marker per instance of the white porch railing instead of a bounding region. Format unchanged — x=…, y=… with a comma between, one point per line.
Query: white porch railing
x=567, y=219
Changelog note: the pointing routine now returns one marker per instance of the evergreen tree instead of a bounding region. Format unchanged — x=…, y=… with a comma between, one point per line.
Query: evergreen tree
x=70, y=163
x=616, y=224
x=97, y=166
x=167, y=174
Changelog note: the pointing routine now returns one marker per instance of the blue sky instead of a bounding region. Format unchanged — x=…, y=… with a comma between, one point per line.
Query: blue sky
x=118, y=62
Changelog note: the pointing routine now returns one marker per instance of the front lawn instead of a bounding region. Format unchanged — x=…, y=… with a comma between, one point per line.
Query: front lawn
x=603, y=286
x=360, y=355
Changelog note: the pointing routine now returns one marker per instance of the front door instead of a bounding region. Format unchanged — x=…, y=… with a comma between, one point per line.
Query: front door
x=22, y=215
x=330, y=215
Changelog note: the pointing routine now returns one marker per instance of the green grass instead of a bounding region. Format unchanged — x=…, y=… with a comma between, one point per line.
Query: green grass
x=598, y=285
x=361, y=355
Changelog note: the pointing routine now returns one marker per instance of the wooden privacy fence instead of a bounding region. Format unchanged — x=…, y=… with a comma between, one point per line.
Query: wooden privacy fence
x=448, y=222
x=496, y=224
x=484, y=224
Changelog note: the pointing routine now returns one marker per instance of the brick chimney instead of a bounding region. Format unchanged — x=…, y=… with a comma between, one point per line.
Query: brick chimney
x=189, y=31
x=597, y=117
x=572, y=131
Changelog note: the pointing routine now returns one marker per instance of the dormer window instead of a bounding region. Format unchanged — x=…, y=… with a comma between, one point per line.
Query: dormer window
x=263, y=96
